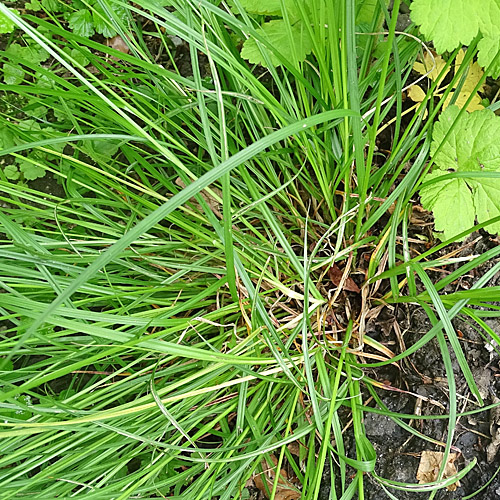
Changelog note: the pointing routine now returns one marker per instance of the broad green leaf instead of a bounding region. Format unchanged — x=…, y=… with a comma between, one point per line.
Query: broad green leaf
x=61, y=114
x=489, y=48
x=29, y=125
x=471, y=147
x=78, y=4
x=439, y=196
x=245, y=495
x=65, y=394
x=449, y=23
x=38, y=111
x=36, y=54
x=295, y=49
x=487, y=201
x=99, y=16
x=452, y=23
x=34, y=5
x=11, y=172
x=472, y=143
x=102, y=27
x=270, y=8
x=19, y=414
x=26, y=54
x=44, y=81
x=274, y=7
x=488, y=12
x=101, y=150
x=79, y=55
x=53, y=5
x=7, y=138
x=31, y=171
x=81, y=23
x=12, y=74
x=121, y=473
x=366, y=10
x=6, y=25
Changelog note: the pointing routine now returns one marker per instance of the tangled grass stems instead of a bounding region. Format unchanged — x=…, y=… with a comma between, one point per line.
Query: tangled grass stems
x=166, y=315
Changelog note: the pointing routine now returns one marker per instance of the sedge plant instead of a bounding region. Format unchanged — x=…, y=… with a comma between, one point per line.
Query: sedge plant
x=166, y=310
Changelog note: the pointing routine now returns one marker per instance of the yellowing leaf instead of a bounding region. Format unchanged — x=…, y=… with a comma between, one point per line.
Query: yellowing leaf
x=433, y=64
x=416, y=93
x=436, y=64
x=474, y=73
x=474, y=105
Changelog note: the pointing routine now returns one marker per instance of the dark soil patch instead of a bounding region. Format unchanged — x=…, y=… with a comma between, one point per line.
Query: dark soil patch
x=418, y=386
x=48, y=185
x=423, y=374
x=399, y=453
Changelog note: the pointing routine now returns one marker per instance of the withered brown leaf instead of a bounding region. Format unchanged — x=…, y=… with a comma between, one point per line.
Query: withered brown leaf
x=335, y=274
